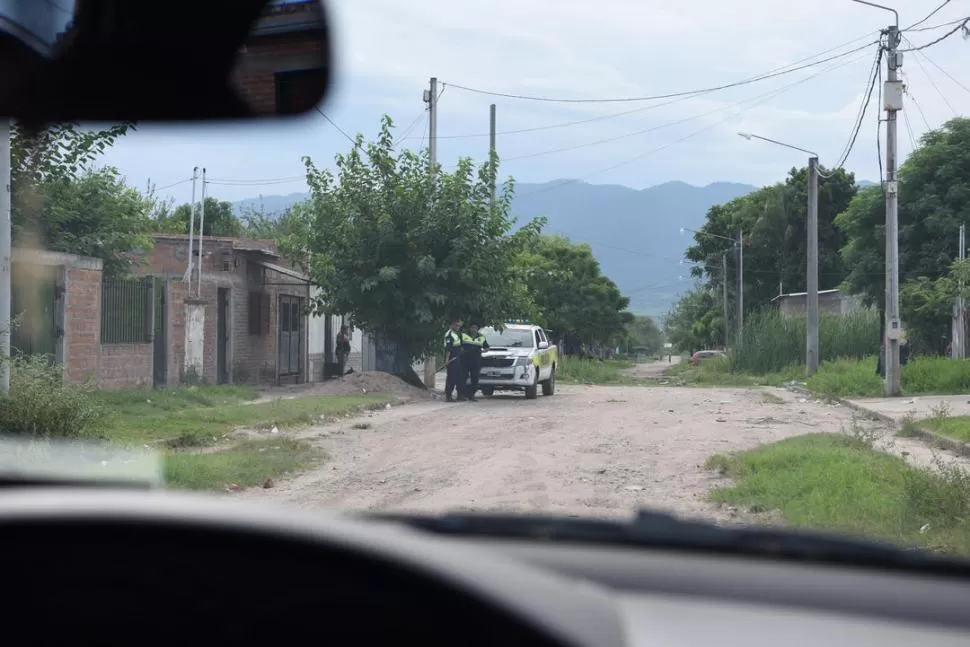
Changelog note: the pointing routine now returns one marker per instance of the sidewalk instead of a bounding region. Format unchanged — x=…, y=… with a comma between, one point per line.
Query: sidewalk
x=895, y=409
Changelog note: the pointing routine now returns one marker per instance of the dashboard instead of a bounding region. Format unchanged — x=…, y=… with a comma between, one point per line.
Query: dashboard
x=114, y=567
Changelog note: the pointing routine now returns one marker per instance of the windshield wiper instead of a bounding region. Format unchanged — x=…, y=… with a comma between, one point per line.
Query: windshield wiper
x=658, y=530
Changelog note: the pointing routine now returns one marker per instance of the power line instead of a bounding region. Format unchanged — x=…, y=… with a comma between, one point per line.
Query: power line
x=945, y=73
x=962, y=25
x=671, y=95
x=919, y=109
x=940, y=26
x=763, y=99
x=173, y=184
x=258, y=182
x=928, y=16
x=917, y=55
x=863, y=110
x=339, y=129
x=624, y=113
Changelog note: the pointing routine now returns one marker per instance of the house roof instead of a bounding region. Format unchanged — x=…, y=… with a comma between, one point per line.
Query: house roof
x=285, y=271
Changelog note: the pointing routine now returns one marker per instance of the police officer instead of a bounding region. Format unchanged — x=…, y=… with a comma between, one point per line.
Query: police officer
x=453, y=361
x=472, y=345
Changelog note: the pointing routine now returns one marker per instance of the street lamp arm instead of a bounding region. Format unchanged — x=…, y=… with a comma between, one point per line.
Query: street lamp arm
x=705, y=233
x=879, y=6
x=774, y=141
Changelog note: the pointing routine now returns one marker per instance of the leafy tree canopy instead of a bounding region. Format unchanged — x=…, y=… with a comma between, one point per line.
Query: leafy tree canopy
x=220, y=220
x=694, y=323
x=402, y=247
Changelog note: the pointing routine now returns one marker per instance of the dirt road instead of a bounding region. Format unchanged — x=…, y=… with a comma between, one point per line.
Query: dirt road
x=591, y=451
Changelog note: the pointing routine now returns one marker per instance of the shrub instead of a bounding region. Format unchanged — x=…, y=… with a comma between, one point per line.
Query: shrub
x=42, y=405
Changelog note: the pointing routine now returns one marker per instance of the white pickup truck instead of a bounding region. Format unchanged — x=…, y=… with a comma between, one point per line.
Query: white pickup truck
x=520, y=358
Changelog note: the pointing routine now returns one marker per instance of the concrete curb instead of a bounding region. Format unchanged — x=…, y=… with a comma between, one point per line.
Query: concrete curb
x=961, y=448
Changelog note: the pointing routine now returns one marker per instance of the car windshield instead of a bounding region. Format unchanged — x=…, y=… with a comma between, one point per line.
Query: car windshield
x=249, y=302
x=510, y=337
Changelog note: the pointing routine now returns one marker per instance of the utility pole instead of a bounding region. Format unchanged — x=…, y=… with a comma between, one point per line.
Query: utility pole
x=893, y=93
x=491, y=148
x=188, y=270
x=811, y=297
x=6, y=258
x=957, y=345
x=724, y=296
x=740, y=285
x=198, y=292
x=431, y=98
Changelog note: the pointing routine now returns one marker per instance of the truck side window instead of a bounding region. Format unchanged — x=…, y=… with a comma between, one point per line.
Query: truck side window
x=538, y=339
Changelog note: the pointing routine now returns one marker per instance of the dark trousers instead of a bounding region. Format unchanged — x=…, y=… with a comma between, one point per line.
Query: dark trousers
x=470, y=373
x=453, y=374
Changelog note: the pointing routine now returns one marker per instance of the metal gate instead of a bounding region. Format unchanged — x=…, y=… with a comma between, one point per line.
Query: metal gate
x=290, y=336
x=34, y=304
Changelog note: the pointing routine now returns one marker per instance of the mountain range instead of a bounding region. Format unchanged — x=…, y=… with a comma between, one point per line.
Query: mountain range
x=635, y=234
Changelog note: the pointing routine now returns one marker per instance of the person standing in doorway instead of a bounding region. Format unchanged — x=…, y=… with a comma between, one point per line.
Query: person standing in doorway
x=453, y=372
x=342, y=348
x=472, y=344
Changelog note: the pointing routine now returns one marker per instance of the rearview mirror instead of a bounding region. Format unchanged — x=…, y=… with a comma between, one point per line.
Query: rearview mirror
x=161, y=60
x=543, y=345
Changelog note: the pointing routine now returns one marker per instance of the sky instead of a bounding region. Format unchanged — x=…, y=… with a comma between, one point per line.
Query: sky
x=387, y=50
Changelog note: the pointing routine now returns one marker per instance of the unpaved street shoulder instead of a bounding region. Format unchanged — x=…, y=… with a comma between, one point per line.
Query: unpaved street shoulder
x=591, y=451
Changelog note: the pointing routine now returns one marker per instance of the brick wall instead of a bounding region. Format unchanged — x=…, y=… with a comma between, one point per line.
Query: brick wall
x=82, y=321
x=226, y=264
x=255, y=76
x=125, y=366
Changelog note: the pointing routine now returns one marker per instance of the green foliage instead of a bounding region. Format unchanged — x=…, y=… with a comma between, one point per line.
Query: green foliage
x=402, y=247
x=575, y=300
x=60, y=203
x=773, y=221
x=41, y=405
x=645, y=336
x=696, y=321
x=220, y=220
x=934, y=188
x=93, y=213
x=771, y=342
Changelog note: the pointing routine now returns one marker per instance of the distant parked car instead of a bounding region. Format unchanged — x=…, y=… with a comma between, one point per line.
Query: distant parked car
x=706, y=354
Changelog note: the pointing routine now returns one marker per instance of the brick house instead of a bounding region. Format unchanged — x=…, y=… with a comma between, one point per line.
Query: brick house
x=245, y=323
x=283, y=67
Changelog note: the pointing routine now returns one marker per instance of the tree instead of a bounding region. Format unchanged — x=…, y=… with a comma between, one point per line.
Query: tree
x=92, y=214
x=401, y=247
x=646, y=335
x=573, y=298
x=774, y=223
x=934, y=189
x=694, y=323
x=59, y=202
x=220, y=220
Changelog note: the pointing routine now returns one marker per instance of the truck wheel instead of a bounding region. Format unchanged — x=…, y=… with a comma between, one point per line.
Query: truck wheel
x=532, y=392
x=488, y=391
x=549, y=386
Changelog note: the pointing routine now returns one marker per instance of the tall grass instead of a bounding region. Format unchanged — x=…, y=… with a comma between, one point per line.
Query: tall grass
x=771, y=342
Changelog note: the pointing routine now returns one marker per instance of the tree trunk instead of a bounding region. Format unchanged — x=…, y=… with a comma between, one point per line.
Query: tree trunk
x=394, y=358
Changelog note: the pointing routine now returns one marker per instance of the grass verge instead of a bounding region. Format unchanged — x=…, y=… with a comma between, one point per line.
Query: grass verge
x=840, y=483
x=574, y=370
x=955, y=427
x=186, y=418
x=717, y=371
x=248, y=464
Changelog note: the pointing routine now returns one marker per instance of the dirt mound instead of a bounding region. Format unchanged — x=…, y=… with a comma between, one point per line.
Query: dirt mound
x=372, y=382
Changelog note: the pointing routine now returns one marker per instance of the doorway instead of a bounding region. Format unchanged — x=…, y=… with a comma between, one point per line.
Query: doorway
x=222, y=337
x=290, y=338
x=160, y=335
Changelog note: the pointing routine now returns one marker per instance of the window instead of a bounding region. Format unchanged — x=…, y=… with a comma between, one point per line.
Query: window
x=259, y=305
x=299, y=91
x=126, y=311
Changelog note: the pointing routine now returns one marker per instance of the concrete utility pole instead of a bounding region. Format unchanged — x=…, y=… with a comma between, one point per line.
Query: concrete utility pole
x=811, y=262
x=893, y=93
x=6, y=258
x=491, y=147
x=740, y=284
x=957, y=348
x=724, y=296
x=431, y=98
x=188, y=270
x=198, y=292
x=811, y=283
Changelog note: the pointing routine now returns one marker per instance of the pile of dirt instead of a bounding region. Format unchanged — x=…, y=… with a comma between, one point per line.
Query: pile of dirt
x=374, y=382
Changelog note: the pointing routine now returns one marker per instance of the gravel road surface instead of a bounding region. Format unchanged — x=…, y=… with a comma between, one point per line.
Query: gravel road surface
x=589, y=450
